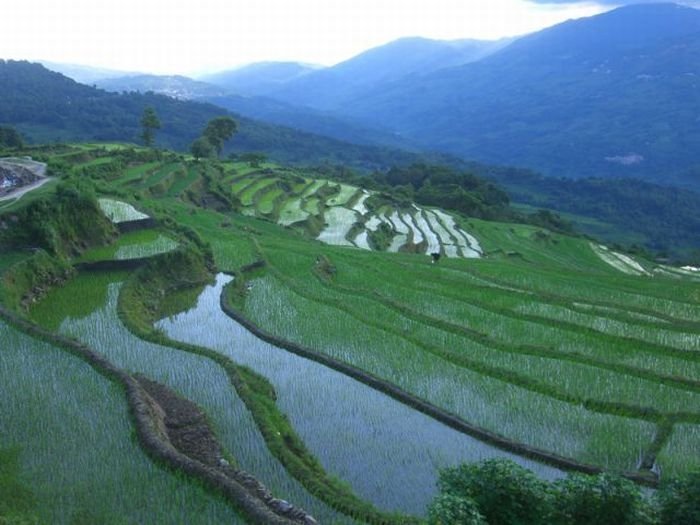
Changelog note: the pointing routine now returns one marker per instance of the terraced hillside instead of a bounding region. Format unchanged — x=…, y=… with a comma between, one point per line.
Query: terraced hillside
x=345, y=215
x=344, y=378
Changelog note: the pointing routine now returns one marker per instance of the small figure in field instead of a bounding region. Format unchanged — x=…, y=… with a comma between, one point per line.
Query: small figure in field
x=435, y=256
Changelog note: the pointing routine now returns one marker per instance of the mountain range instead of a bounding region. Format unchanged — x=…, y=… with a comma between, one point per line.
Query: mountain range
x=613, y=95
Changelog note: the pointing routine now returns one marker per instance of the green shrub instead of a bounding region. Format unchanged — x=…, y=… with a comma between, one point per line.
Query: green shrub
x=504, y=492
x=590, y=500
x=447, y=509
x=679, y=501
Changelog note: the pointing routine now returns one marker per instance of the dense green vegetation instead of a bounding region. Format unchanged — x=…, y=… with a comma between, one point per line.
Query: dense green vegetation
x=499, y=492
x=548, y=345
x=35, y=102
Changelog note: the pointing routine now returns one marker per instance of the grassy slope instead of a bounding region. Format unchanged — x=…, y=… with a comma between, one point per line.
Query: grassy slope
x=541, y=341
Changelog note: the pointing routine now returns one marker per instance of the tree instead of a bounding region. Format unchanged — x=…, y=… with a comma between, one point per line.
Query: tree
x=605, y=498
x=504, y=492
x=150, y=123
x=447, y=509
x=218, y=131
x=678, y=501
x=202, y=148
x=253, y=159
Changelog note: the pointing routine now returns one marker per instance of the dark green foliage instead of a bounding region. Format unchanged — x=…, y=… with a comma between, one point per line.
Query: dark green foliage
x=31, y=278
x=590, y=500
x=202, y=148
x=505, y=493
x=150, y=123
x=64, y=225
x=666, y=218
x=218, y=131
x=447, y=509
x=252, y=158
x=10, y=138
x=16, y=500
x=679, y=501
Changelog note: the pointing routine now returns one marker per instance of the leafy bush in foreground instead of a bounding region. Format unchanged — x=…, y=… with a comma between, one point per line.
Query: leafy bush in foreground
x=500, y=492
x=504, y=492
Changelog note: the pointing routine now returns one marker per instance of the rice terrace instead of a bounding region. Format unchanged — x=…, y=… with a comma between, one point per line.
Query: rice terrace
x=204, y=341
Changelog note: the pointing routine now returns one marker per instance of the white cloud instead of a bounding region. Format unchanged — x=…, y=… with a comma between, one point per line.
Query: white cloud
x=175, y=36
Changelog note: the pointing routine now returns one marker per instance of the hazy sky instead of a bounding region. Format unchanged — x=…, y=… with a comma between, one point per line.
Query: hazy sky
x=173, y=36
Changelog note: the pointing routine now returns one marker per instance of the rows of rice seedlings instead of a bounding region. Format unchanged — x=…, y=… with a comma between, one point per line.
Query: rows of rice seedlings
x=292, y=212
x=118, y=211
x=619, y=261
x=677, y=273
x=470, y=308
x=161, y=244
x=667, y=337
x=682, y=452
x=267, y=201
x=535, y=245
x=184, y=181
x=339, y=222
x=194, y=377
x=231, y=249
x=653, y=296
x=68, y=406
x=247, y=196
x=158, y=176
x=313, y=188
x=570, y=379
x=344, y=194
x=312, y=205
x=524, y=416
x=136, y=173
x=388, y=452
x=131, y=245
x=241, y=183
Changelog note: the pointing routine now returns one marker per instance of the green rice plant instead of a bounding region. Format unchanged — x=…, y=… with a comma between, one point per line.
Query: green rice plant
x=266, y=203
x=184, y=182
x=345, y=193
x=313, y=188
x=163, y=173
x=292, y=212
x=247, y=196
x=132, y=245
x=569, y=430
x=110, y=481
x=161, y=244
x=682, y=452
x=241, y=183
x=136, y=173
x=194, y=377
x=390, y=461
x=662, y=336
x=474, y=349
x=118, y=211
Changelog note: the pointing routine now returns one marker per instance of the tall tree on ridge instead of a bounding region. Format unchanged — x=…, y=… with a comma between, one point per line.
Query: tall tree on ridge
x=150, y=123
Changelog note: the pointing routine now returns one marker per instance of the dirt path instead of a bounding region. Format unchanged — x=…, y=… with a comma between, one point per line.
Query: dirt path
x=17, y=194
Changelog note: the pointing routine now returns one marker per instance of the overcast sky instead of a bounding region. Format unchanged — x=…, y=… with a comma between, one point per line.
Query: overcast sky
x=174, y=36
